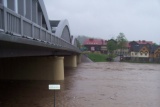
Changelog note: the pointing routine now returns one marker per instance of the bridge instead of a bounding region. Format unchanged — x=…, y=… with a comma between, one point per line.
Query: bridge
x=31, y=45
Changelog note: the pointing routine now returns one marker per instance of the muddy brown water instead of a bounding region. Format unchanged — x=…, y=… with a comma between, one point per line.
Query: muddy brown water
x=90, y=85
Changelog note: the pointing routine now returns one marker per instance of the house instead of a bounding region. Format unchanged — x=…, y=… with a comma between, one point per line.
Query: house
x=143, y=42
x=155, y=53
x=140, y=52
x=96, y=45
x=124, y=51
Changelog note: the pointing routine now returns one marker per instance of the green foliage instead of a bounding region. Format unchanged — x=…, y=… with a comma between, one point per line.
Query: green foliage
x=78, y=44
x=155, y=44
x=83, y=48
x=121, y=41
x=96, y=57
x=111, y=46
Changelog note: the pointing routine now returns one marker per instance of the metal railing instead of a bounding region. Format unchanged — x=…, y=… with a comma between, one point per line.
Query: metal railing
x=13, y=23
x=1, y=17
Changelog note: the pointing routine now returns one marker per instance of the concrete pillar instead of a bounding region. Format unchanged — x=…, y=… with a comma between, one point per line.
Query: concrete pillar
x=31, y=68
x=79, y=59
x=70, y=61
x=58, y=68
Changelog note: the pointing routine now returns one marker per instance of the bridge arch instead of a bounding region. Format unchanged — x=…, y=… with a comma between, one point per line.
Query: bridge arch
x=61, y=29
x=74, y=41
x=34, y=10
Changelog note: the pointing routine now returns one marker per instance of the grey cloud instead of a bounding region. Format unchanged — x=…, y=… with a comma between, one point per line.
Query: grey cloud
x=137, y=19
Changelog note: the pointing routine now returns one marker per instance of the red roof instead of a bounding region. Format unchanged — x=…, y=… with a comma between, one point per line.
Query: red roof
x=144, y=42
x=91, y=41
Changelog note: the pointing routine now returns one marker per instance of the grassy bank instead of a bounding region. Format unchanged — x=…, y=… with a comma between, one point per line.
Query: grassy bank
x=96, y=57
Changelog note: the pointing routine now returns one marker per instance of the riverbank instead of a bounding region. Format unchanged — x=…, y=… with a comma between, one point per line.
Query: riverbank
x=98, y=57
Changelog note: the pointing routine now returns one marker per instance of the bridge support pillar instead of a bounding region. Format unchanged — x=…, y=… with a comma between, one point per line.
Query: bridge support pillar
x=32, y=68
x=58, y=68
x=70, y=61
x=79, y=59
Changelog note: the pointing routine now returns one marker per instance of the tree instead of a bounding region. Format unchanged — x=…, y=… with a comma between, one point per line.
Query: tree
x=121, y=41
x=78, y=44
x=111, y=46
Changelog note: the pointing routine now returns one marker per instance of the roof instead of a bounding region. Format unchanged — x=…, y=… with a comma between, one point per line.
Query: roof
x=154, y=47
x=92, y=41
x=144, y=42
x=137, y=48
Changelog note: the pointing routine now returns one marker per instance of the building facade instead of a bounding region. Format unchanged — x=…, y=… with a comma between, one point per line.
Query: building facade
x=96, y=45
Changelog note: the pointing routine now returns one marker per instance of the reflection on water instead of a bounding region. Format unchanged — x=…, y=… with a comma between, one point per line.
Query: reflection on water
x=90, y=85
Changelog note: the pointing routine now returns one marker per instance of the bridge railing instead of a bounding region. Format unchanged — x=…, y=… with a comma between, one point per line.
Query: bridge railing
x=15, y=24
x=1, y=17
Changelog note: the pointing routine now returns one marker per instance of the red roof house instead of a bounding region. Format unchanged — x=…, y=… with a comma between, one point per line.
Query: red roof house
x=95, y=45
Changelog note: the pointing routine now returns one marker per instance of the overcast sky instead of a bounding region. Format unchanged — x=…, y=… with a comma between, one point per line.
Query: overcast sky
x=137, y=19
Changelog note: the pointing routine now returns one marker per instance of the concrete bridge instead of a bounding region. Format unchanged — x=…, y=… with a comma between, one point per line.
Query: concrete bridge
x=32, y=46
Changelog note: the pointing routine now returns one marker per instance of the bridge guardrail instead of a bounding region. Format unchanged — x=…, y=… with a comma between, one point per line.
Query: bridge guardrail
x=20, y=26
x=1, y=17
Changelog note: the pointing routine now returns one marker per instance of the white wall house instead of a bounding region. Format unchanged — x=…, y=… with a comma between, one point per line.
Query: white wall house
x=140, y=54
x=140, y=51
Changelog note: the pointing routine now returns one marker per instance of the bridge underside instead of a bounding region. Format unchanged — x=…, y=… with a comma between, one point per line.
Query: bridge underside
x=35, y=68
x=13, y=46
x=18, y=61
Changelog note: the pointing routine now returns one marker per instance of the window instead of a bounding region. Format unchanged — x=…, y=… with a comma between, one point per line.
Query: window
x=92, y=48
x=136, y=53
x=141, y=53
x=145, y=54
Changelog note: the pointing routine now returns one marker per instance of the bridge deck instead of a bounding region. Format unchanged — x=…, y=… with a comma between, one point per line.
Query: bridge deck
x=15, y=28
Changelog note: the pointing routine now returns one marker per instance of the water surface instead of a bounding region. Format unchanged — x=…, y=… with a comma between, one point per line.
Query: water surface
x=90, y=85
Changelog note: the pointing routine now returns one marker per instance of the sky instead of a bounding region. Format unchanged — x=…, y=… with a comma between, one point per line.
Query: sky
x=137, y=19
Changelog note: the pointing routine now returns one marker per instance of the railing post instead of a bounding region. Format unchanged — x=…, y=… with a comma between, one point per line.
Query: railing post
x=5, y=19
x=33, y=31
x=40, y=33
x=46, y=36
x=21, y=25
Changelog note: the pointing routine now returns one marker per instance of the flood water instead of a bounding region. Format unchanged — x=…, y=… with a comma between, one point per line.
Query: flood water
x=90, y=85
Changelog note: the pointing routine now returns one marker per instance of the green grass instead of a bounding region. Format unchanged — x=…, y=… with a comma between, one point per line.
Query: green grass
x=96, y=57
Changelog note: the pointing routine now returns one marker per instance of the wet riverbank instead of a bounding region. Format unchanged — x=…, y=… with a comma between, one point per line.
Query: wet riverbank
x=106, y=84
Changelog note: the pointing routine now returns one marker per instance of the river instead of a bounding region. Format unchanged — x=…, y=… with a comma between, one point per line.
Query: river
x=105, y=84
